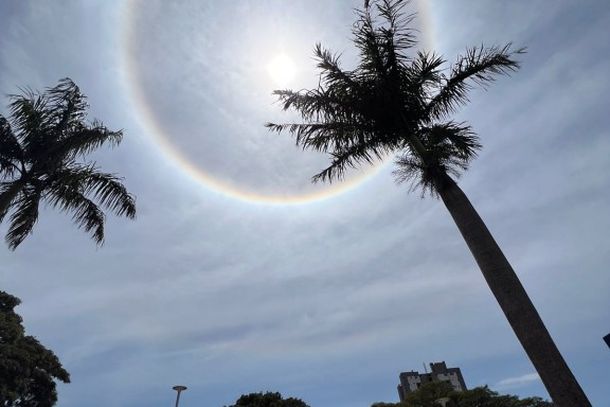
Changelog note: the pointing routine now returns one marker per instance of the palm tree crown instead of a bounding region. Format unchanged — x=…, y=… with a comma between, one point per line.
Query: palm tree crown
x=41, y=143
x=394, y=101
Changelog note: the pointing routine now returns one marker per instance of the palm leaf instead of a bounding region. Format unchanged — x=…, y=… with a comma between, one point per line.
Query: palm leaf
x=111, y=193
x=24, y=217
x=342, y=159
x=450, y=148
x=9, y=192
x=83, y=140
x=67, y=106
x=11, y=154
x=480, y=66
x=85, y=213
x=105, y=188
x=29, y=117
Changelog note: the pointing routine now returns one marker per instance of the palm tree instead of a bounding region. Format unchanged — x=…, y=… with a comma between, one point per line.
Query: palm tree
x=40, y=146
x=399, y=102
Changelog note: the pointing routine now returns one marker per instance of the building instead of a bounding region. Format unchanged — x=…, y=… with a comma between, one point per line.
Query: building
x=411, y=381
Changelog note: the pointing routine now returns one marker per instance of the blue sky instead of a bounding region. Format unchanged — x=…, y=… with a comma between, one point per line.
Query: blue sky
x=326, y=300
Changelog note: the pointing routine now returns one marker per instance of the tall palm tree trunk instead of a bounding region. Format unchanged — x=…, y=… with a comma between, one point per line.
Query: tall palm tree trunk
x=514, y=301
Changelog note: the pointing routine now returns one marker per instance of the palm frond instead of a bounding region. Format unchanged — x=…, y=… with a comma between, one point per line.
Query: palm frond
x=110, y=192
x=479, y=66
x=321, y=136
x=383, y=38
x=368, y=42
x=67, y=107
x=9, y=193
x=105, y=188
x=23, y=218
x=317, y=104
x=330, y=68
x=424, y=74
x=342, y=159
x=83, y=140
x=85, y=213
x=450, y=148
x=29, y=117
x=397, y=34
x=419, y=81
x=455, y=139
x=11, y=154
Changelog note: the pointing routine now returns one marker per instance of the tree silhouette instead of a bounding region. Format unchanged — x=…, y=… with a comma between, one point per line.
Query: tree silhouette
x=27, y=369
x=267, y=399
x=41, y=143
x=398, y=101
x=436, y=394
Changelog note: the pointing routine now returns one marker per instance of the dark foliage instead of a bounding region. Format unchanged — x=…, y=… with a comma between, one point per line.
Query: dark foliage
x=431, y=395
x=267, y=399
x=395, y=101
x=41, y=143
x=27, y=368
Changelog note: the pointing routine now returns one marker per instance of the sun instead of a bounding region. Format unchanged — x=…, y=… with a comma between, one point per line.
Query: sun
x=282, y=70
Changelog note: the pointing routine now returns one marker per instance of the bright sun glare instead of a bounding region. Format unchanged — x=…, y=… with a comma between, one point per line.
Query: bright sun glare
x=281, y=70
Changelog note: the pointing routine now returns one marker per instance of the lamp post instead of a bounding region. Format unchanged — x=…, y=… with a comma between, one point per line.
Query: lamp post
x=178, y=389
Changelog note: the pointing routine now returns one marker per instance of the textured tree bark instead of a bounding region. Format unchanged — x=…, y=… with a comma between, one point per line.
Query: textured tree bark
x=514, y=301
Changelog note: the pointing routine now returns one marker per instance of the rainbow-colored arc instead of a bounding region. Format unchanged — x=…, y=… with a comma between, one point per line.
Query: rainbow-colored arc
x=208, y=181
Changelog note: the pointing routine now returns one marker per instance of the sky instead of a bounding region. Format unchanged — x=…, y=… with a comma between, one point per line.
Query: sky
x=238, y=275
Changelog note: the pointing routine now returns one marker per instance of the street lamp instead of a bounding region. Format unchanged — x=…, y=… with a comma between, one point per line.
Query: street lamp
x=178, y=389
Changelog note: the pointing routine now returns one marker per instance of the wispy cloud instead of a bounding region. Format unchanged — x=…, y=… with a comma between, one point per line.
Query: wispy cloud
x=518, y=381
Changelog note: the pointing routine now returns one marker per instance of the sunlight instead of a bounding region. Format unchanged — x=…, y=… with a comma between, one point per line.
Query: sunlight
x=282, y=70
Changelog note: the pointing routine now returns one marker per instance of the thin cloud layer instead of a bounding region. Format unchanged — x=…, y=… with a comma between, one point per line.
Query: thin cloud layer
x=326, y=301
x=518, y=381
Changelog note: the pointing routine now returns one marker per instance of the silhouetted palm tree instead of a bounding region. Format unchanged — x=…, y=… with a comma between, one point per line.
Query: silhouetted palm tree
x=40, y=146
x=398, y=102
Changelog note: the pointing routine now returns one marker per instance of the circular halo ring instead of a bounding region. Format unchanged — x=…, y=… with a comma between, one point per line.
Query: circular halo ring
x=207, y=180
